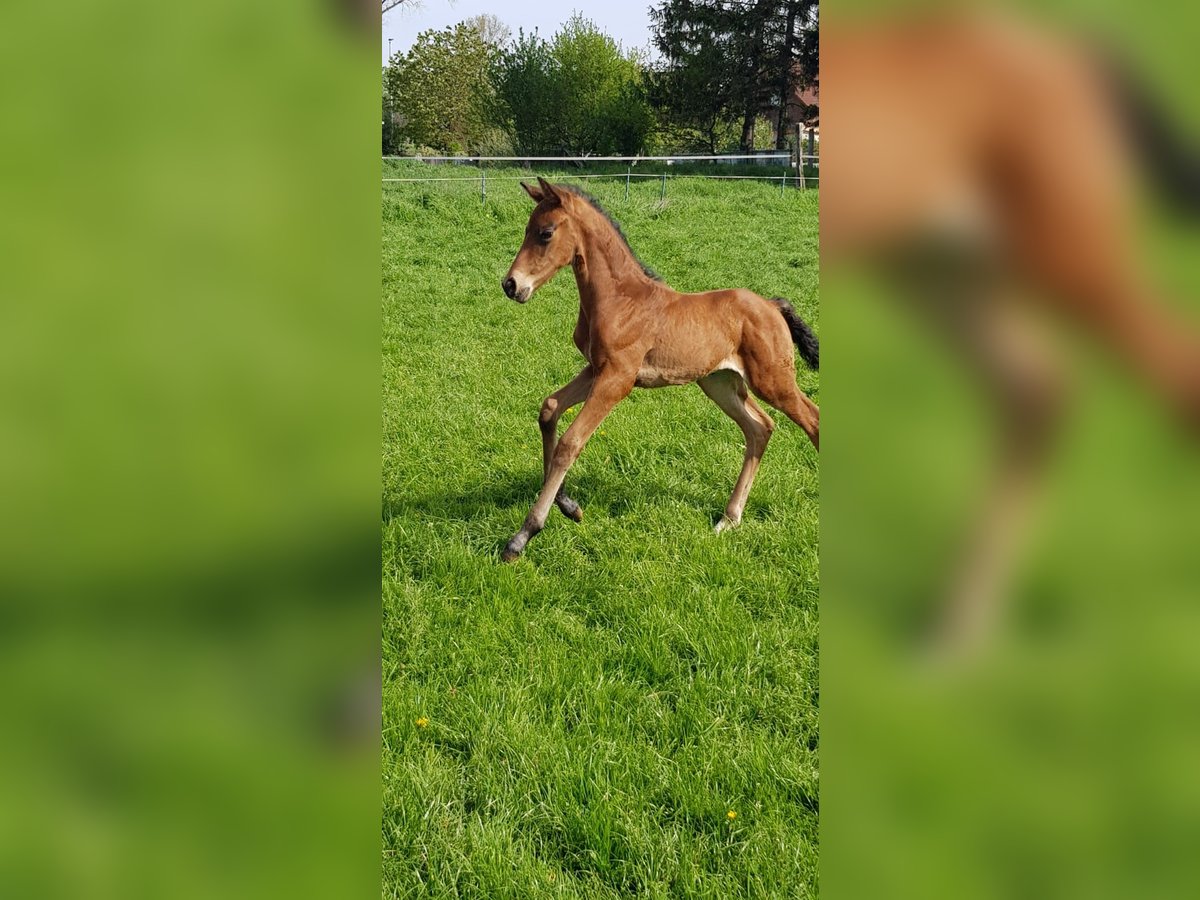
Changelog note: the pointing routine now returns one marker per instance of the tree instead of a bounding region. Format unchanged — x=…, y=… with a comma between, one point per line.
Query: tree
x=440, y=91
x=578, y=93
x=726, y=61
x=391, y=143
x=602, y=90
x=750, y=46
x=530, y=94
x=696, y=88
x=493, y=32
x=796, y=62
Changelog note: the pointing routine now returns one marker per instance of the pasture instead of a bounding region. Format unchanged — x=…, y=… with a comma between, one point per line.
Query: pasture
x=631, y=708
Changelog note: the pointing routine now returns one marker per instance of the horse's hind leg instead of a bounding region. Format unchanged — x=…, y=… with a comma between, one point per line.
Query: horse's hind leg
x=728, y=391
x=1022, y=381
x=574, y=393
x=777, y=386
x=1071, y=231
x=1028, y=391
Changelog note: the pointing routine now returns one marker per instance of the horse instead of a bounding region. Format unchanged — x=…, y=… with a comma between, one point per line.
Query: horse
x=635, y=331
x=1013, y=183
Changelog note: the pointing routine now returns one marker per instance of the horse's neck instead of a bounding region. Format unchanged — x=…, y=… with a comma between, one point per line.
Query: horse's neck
x=606, y=272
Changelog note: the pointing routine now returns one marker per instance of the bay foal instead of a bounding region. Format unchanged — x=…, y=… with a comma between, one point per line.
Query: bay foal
x=978, y=224
x=635, y=331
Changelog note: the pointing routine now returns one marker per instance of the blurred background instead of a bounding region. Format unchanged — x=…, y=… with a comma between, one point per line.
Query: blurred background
x=1048, y=748
x=189, y=454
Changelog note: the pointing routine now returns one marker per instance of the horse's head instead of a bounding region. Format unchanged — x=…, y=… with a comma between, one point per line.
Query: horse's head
x=549, y=245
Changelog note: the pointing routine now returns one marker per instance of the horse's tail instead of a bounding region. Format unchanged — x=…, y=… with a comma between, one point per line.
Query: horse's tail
x=1169, y=159
x=806, y=342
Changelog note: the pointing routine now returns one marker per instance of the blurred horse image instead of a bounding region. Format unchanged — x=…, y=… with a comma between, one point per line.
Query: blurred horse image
x=987, y=169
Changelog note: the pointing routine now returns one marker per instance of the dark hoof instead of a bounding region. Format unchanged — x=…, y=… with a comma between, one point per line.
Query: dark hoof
x=570, y=508
x=514, y=547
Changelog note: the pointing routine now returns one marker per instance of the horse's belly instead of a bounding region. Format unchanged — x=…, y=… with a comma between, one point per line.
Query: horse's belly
x=652, y=377
x=657, y=375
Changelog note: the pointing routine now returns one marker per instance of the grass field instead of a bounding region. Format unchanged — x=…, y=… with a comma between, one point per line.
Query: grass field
x=584, y=722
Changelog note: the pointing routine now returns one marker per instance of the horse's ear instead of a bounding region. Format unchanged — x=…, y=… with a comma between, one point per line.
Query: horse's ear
x=549, y=191
x=533, y=192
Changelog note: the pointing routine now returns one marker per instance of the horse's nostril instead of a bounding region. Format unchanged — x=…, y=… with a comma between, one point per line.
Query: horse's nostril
x=510, y=287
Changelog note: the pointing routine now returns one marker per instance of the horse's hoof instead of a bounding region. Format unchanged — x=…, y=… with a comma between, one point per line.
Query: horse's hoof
x=724, y=525
x=569, y=508
x=510, y=553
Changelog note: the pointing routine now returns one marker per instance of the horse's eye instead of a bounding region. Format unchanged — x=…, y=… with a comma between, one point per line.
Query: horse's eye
x=545, y=236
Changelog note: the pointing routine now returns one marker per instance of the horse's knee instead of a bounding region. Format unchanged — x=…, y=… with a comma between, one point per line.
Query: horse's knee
x=568, y=448
x=548, y=417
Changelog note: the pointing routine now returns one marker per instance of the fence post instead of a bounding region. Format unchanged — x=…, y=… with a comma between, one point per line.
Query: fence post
x=812, y=152
x=783, y=182
x=627, y=171
x=482, y=185
x=663, y=193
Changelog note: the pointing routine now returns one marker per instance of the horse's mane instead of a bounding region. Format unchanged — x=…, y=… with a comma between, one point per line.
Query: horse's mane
x=595, y=204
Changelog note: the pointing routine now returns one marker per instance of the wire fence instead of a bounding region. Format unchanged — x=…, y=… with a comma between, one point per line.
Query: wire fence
x=799, y=171
x=682, y=157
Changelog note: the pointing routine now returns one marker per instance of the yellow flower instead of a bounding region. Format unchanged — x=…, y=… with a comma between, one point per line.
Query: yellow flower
x=731, y=815
x=423, y=722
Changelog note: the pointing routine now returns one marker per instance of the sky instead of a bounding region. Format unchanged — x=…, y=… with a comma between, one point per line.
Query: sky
x=626, y=20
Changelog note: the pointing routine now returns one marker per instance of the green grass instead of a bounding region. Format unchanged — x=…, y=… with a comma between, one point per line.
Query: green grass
x=595, y=710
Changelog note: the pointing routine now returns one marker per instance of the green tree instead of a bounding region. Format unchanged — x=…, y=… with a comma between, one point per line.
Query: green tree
x=603, y=112
x=696, y=88
x=441, y=91
x=530, y=94
x=578, y=93
x=725, y=63
x=795, y=59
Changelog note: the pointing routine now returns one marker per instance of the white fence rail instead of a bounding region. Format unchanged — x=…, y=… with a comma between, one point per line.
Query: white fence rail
x=682, y=157
x=799, y=179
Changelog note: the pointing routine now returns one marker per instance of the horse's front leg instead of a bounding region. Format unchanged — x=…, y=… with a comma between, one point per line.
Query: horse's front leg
x=553, y=407
x=608, y=389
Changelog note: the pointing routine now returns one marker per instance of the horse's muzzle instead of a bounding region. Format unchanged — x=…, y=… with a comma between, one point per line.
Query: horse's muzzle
x=513, y=292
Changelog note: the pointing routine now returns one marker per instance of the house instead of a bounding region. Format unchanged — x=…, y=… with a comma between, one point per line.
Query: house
x=804, y=107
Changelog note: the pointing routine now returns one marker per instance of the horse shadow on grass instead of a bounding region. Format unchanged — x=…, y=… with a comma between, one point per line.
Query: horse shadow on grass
x=510, y=495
